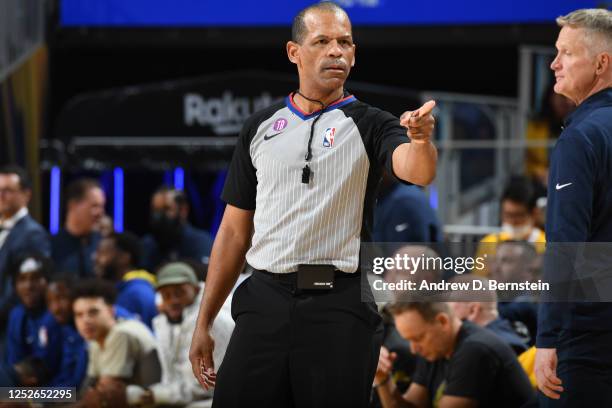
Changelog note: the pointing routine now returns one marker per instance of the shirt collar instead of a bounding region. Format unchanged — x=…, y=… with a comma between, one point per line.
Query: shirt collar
x=293, y=107
x=11, y=222
x=597, y=100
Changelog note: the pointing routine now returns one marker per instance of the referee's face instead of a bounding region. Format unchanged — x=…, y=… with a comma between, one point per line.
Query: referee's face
x=327, y=52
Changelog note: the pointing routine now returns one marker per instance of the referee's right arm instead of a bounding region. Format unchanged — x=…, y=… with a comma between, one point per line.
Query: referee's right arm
x=226, y=261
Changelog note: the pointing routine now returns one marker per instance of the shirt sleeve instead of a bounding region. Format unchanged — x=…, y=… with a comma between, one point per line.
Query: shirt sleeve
x=422, y=373
x=388, y=135
x=471, y=372
x=241, y=183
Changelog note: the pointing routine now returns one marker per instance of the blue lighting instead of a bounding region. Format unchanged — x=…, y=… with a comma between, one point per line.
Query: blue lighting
x=168, y=178
x=54, y=202
x=433, y=196
x=118, y=199
x=179, y=178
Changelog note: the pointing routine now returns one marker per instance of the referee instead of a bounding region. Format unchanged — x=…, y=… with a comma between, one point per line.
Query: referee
x=300, y=193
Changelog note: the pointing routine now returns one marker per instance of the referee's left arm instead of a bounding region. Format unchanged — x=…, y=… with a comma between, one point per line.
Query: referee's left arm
x=226, y=261
x=415, y=162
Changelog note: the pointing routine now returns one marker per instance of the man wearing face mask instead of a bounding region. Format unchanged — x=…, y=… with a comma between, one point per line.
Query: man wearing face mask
x=518, y=214
x=172, y=236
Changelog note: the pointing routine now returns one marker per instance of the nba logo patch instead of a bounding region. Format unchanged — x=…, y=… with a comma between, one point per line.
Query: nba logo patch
x=328, y=137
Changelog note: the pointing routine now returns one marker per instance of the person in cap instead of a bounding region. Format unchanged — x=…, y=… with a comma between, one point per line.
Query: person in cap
x=179, y=288
x=31, y=330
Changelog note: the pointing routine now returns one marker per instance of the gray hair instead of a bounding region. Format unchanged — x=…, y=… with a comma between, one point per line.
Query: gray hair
x=596, y=22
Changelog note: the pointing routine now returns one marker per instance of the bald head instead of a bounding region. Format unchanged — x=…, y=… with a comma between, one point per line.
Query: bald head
x=299, y=28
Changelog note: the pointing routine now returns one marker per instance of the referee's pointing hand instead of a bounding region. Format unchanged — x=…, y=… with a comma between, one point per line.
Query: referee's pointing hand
x=420, y=123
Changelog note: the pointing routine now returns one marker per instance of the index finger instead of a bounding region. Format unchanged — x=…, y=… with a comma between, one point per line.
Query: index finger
x=425, y=109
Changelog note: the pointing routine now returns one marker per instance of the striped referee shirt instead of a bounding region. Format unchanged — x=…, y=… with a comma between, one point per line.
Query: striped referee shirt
x=324, y=221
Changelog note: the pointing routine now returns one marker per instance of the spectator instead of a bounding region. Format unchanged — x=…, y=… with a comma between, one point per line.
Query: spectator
x=73, y=363
x=403, y=214
x=120, y=353
x=74, y=245
x=73, y=351
x=463, y=365
x=31, y=332
x=518, y=217
x=394, y=345
x=179, y=289
x=30, y=372
x=480, y=308
x=105, y=226
x=116, y=260
x=172, y=236
x=19, y=233
x=517, y=262
x=428, y=273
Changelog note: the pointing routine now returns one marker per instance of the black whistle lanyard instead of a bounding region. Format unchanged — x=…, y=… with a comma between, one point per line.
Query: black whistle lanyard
x=306, y=172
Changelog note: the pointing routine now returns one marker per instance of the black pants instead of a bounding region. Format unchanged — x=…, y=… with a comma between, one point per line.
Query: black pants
x=294, y=348
x=585, y=367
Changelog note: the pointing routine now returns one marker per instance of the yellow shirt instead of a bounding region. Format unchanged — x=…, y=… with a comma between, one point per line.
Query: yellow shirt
x=488, y=246
x=527, y=361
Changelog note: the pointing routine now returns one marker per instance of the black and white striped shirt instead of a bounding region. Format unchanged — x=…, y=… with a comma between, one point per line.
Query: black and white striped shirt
x=324, y=221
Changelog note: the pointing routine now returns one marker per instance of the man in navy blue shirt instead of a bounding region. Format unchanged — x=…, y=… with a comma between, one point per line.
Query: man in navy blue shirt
x=573, y=363
x=72, y=248
x=172, y=236
x=403, y=214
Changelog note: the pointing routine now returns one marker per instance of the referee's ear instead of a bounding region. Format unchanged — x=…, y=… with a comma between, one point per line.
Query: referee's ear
x=293, y=52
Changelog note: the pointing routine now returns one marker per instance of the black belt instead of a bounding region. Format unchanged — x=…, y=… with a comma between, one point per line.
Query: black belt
x=292, y=276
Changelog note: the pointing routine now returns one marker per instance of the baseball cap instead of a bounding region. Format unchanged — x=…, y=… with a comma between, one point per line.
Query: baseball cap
x=176, y=273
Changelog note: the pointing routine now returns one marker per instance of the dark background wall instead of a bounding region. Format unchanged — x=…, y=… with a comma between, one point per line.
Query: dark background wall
x=475, y=60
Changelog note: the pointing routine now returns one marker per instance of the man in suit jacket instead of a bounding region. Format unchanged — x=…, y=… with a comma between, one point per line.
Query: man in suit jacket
x=19, y=232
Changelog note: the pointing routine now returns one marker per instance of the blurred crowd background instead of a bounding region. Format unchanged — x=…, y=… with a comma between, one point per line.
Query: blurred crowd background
x=118, y=121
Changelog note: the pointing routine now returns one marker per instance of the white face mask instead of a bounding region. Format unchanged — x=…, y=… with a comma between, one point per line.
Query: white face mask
x=517, y=233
